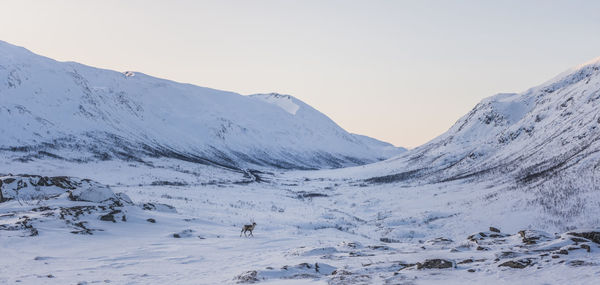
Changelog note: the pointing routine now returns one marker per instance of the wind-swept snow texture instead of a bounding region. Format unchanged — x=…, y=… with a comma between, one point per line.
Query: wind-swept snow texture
x=77, y=112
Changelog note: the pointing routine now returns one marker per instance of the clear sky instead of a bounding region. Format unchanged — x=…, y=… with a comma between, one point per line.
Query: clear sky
x=400, y=71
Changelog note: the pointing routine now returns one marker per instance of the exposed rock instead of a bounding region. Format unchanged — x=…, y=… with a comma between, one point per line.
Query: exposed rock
x=476, y=237
x=150, y=220
x=388, y=240
x=25, y=223
x=578, y=263
x=435, y=264
x=439, y=241
x=532, y=237
x=108, y=218
x=344, y=279
x=159, y=207
x=592, y=236
x=247, y=277
x=491, y=237
x=586, y=247
x=578, y=240
x=519, y=264
x=507, y=254
x=184, y=234
x=379, y=247
x=168, y=183
x=35, y=187
x=311, y=195
x=493, y=229
x=83, y=230
x=406, y=265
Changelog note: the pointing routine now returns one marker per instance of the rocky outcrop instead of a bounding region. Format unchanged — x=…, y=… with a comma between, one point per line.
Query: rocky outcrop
x=591, y=236
x=435, y=264
x=69, y=200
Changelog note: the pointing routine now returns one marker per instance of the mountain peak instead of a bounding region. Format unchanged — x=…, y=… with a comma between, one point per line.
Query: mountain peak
x=288, y=103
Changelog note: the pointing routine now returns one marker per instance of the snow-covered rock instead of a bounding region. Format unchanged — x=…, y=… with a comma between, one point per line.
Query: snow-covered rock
x=30, y=203
x=32, y=187
x=90, y=191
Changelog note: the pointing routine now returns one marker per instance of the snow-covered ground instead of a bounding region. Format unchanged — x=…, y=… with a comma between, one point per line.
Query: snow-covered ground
x=311, y=229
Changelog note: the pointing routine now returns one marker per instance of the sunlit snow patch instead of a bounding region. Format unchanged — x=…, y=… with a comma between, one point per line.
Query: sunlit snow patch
x=285, y=102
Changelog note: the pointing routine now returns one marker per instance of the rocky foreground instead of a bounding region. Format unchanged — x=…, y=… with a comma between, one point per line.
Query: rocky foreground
x=72, y=204
x=486, y=251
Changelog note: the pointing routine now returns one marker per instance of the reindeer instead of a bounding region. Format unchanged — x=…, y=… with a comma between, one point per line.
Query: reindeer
x=248, y=228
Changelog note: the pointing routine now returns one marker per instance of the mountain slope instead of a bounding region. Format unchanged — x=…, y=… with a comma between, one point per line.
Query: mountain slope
x=72, y=111
x=312, y=117
x=526, y=137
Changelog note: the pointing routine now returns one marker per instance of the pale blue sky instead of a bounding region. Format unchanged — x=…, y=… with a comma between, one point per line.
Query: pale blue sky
x=400, y=71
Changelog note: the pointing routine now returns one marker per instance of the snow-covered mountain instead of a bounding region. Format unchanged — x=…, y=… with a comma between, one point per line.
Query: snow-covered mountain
x=77, y=112
x=311, y=116
x=527, y=137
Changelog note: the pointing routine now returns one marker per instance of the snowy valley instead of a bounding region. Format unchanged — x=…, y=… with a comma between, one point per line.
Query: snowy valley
x=122, y=178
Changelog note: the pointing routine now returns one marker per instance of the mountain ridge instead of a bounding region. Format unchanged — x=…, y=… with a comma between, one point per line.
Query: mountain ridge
x=529, y=136
x=131, y=115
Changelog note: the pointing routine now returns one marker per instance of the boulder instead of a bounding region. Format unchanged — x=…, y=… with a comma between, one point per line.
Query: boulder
x=247, y=277
x=493, y=229
x=533, y=237
x=435, y=264
x=518, y=264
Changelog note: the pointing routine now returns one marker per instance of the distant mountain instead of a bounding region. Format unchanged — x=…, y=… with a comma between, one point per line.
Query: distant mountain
x=546, y=132
x=312, y=117
x=71, y=111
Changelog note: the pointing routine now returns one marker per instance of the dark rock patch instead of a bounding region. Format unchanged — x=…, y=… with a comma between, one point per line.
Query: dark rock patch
x=592, y=236
x=388, y=240
x=530, y=237
x=302, y=195
x=518, y=264
x=108, y=218
x=586, y=247
x=247, y=277
x=378, y=247
x=168, y=183
x=184, y=234
x=507, y=254
x=435, y=264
